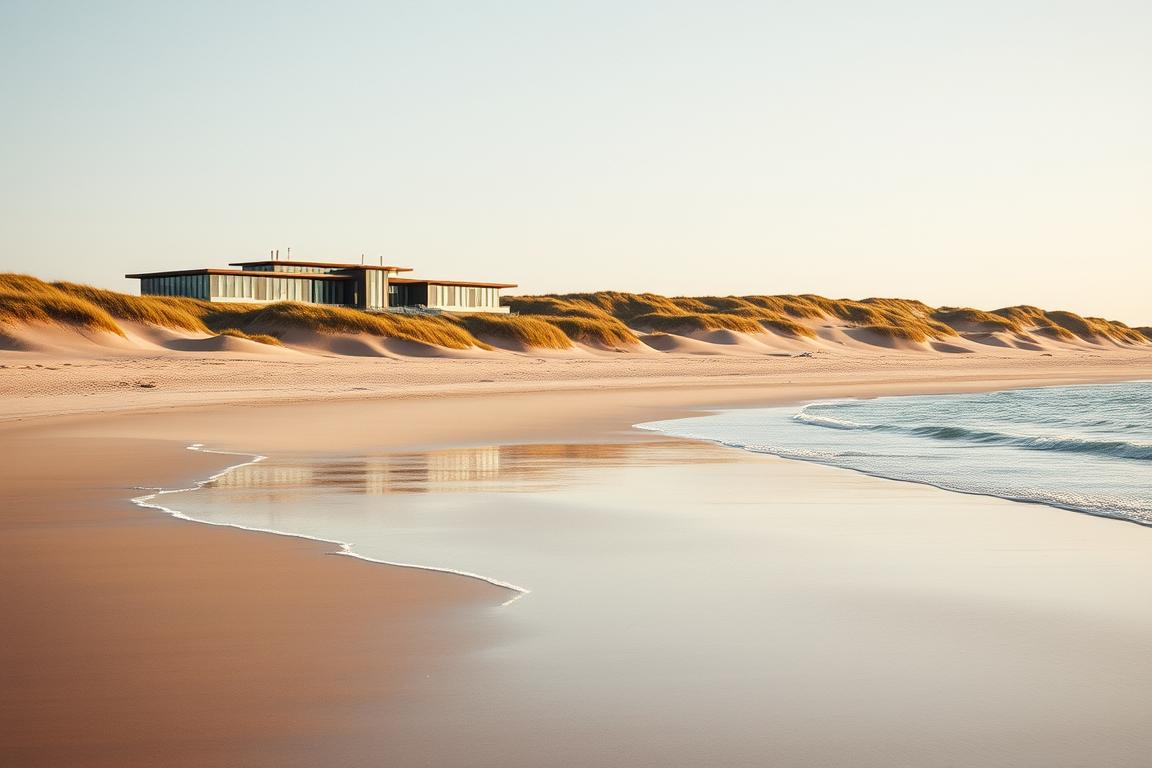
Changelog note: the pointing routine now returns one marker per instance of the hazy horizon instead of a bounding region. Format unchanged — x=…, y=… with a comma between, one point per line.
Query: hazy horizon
x=983, y=154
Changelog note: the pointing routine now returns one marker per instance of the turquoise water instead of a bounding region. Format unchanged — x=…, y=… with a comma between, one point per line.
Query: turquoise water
x=1084, y=448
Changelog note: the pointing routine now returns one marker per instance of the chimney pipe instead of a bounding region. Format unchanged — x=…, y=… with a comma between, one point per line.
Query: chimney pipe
x=288, y=256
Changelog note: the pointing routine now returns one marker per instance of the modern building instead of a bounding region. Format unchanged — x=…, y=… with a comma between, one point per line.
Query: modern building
x=362, y=286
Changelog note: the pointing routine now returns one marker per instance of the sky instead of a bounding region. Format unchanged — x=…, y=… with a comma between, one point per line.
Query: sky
x=979, y=153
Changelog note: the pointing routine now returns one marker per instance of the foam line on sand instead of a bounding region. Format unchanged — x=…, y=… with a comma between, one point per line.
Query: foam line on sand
x=148, y=501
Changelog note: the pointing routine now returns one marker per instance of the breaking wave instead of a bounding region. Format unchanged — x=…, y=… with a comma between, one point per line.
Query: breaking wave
x=1084, y=448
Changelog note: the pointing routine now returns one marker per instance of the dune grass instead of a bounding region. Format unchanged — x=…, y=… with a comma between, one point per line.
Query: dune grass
x=1055, y=332
x=797, y=307
x=1093, y=328
x=282, y=317
x=625, y=306
x=165, y=311
x=898, y=332
x=1069, y=326
x=1024, y=315
x=606, y=331
x=688, y=322
x=786, y=326
x=553, y=306
x=26, y=299
x=525, y=329
x=968, y=320
x=261, y=338
x=555, y=321
x=794, y=315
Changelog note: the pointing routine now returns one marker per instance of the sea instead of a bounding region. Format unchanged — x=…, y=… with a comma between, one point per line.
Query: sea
x=1083, y=448
x=665, y=602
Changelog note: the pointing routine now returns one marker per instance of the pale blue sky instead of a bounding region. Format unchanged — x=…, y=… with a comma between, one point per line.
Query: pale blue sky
x=979, y=153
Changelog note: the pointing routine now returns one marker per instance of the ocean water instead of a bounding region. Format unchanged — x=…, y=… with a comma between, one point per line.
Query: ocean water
x=1083, y=448
x=680, y=604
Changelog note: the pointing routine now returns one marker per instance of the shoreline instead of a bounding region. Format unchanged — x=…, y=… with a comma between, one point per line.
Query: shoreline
x=880, y=476
x=344, y=547
x=423, y=605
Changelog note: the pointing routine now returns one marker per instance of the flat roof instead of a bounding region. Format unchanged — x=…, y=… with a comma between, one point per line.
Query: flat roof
x=465, y=283
x=247, y=273
x=318, y=264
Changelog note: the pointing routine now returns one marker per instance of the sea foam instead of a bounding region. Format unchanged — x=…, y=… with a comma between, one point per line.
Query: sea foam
x=1084, y=448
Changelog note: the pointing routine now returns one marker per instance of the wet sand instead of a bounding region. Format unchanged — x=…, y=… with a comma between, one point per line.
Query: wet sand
x=135, y=639
x=775, y=623
x=138, y=639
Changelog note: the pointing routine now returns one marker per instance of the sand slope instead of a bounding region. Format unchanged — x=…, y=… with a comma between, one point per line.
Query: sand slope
x=59, y=340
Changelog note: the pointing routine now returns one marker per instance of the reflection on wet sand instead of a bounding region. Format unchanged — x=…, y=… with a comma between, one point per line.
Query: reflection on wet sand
x=691, y=605
x=489, y=468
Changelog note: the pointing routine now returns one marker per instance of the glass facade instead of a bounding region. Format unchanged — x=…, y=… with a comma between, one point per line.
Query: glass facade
x=463, y=296
x=259, y=288
x=341, y=286
x=191, y=286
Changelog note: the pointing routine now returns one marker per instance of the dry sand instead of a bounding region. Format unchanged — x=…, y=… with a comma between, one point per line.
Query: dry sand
x=138, y=639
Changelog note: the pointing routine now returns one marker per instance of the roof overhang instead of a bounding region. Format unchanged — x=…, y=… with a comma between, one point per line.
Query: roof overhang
x=244, y=272
x=273, y=262
x=463, y=283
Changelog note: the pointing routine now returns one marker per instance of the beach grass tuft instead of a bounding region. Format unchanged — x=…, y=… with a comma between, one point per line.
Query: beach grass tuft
x=165, y=311
x=276, y=319
x=604, y=331
x=26, y=299
x=974, y=320
x=685, y=322
x=522, y=329
x=898, y=332
x=261, y=338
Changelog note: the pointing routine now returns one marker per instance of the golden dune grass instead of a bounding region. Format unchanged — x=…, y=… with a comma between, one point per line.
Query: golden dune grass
x=775, y=321
x=625, y=306
x=712, y=304
x=1055, y=332
x=261, y=338
x=1023, y=315
x=798, y=307
x=1070, y=326
x=685, y=323
x=551, y=305
x=916, y=320
x=1091, y=328
x=26, y=299
x=276, y=319
x=554, y=321
x=786, y=326
x=525, y=329
x=165, y=311
x=606, y=331
x=901, y=332
x=964, y=319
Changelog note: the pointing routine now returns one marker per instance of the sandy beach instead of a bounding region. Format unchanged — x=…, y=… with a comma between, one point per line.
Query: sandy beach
x=575, y=385
x=138, y=635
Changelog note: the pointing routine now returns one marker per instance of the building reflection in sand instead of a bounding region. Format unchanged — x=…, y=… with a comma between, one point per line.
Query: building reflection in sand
x=490, y=468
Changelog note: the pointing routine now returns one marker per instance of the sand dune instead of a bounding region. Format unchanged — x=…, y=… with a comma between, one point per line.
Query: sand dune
x=64, y=319
x=38, y=338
